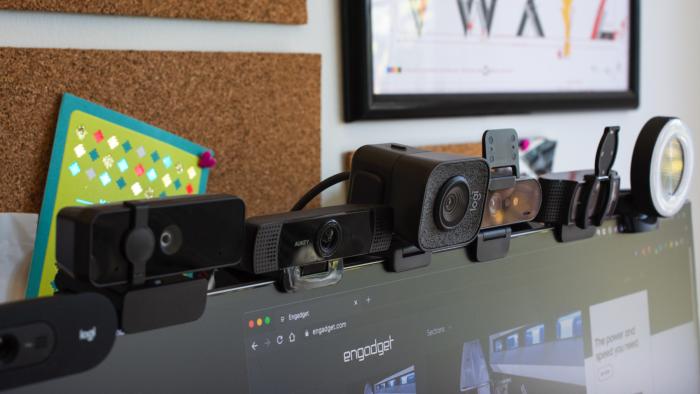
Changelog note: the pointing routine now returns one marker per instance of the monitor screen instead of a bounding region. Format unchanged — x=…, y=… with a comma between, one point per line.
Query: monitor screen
x=614, y=313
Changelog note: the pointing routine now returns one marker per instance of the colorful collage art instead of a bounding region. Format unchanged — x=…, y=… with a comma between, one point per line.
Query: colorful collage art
x=99, y=157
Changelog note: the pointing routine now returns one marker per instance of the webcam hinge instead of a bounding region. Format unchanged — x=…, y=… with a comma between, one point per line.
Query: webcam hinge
x=293, y=278
x=491, y=244
x=404, y=257
x=501, y=183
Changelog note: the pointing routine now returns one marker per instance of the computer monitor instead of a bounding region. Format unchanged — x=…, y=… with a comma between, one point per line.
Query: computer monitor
x=614, y=313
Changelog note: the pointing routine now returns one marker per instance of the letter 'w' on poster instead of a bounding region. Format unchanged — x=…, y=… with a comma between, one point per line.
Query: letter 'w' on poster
x=621, y=346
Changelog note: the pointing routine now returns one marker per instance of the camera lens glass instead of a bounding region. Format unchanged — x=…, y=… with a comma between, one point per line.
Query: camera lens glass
x=452, y=203
x=328, y=238
x=496, y=204
x=9, y=347
x=170, y=240
x=662, y=166
x=672, y=165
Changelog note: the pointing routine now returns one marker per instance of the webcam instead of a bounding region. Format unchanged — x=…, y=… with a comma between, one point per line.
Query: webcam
x=511, y=198
x=437, y=198
x=576, y=202
x=144, y=256
x=137, y=241
x=303, y=243
x=50, y=337
x=662, y=168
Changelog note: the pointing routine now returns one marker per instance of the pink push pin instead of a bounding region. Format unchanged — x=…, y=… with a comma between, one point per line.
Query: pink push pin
x=206, y=160
x=524, y=144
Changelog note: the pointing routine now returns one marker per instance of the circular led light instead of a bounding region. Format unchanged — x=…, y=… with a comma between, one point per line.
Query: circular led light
x=662, y=166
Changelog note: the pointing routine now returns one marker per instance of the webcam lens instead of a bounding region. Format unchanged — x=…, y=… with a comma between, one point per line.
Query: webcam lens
x=496, y=204
x=170, y=240
x=328, y=238
x=9, y=347
x=672, y=165
x=452, y=203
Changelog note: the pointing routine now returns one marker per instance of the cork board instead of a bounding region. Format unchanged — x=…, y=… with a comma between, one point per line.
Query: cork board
x=466, y=149
x=260, y=113
x=271, y=11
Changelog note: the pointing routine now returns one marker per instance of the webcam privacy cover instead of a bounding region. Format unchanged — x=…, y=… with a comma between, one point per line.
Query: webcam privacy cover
x=101, y=156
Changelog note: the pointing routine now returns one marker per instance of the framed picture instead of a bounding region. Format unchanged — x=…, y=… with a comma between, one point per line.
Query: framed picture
x=425, y=58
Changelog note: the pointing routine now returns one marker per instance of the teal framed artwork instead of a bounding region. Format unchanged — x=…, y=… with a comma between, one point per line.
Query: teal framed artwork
x=100, y=156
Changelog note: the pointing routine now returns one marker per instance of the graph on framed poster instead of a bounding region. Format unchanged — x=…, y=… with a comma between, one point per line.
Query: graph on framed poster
x=430, y=56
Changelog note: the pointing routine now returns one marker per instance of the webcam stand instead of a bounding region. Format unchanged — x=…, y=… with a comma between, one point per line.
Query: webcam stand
x=571, y=232
x=500, y=149
x=142, y=305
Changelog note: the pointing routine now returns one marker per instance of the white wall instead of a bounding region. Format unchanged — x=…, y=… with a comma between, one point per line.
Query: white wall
x=670, y=77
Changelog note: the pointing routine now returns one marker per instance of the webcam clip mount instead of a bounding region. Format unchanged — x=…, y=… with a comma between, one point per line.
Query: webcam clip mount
x=142, y=305
x=404, y=257
x=293, y=278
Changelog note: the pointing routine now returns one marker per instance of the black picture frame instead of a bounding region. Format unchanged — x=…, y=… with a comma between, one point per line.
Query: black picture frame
x=360, y=102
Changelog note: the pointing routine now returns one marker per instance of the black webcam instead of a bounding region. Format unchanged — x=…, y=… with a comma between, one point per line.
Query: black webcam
x=46, y=338
x=510, y=200
x=437, y=198
x=137, y=253
x=298, y=242
x=576, y=202
x=137, y=241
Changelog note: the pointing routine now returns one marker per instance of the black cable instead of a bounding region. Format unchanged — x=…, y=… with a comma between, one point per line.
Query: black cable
x=316, y=190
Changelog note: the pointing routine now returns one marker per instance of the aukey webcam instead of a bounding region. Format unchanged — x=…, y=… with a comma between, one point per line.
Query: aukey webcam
x=294, y=241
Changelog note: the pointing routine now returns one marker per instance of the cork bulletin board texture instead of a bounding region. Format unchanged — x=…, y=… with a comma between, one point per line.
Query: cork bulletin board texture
x=271, y=11
x=260, y=113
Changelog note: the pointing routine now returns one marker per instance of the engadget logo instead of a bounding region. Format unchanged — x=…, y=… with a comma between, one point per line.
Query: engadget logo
x=378, y=348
